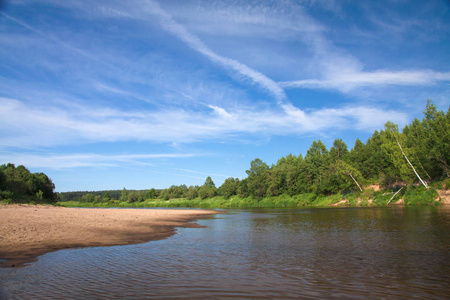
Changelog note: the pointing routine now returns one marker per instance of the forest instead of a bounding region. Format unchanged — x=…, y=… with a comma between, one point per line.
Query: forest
x=415, y=158
x=412, y=162
x=19, y=185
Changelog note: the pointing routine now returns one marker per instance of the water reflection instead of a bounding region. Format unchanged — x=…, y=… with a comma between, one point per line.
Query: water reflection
x=311, y=253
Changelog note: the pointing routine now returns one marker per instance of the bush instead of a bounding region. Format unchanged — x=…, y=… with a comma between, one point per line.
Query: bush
x=420, y=195
x=6, y=195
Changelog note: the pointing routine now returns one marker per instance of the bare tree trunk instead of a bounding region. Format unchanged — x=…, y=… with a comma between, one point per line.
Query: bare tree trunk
x=394, y=195
x=355, y=181
x=424, y=183
x=352, y=177
x=422, y=166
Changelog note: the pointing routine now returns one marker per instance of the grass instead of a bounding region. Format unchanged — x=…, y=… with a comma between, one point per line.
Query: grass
x=412, y=195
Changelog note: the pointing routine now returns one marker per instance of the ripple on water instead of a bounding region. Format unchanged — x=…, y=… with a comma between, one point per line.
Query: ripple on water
x=308, y=254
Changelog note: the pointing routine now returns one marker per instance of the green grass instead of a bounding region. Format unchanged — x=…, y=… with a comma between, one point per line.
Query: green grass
x=413, y=195
x=282, y=201
x=420, y=196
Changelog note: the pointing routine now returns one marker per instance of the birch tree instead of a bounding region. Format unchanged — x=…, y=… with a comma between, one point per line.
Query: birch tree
x=393, y=141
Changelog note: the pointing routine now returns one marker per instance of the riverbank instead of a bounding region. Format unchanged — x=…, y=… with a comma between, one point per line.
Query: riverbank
x=27, y=231
x=372, y=196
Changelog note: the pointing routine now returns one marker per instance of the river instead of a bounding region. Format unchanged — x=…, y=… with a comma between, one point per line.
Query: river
x=382, y=253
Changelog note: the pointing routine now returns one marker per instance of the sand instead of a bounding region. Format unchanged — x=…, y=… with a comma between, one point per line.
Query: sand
x=27, y=231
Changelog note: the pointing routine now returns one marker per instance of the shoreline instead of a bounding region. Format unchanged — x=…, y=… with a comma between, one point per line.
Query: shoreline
x=28, y=231
x=372, y=197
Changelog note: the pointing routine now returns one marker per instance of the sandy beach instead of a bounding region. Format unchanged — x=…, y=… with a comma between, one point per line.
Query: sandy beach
x=27, y=231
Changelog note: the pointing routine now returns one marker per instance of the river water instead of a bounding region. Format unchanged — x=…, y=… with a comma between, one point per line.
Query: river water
x=382, y=253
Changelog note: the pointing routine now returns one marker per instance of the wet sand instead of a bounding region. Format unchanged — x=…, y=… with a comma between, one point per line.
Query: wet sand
x=27, y=231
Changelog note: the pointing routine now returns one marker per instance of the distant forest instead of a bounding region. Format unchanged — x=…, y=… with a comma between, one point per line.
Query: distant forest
x=416, y=155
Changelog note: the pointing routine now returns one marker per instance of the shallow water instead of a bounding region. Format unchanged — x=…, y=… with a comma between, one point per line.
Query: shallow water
x=399, y=253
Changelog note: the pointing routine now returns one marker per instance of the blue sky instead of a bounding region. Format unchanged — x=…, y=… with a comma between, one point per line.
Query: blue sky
x=140, y=94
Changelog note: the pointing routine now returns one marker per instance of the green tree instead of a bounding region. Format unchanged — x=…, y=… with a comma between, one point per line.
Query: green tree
x=229, y=188
x=437, y=125
x=123, y=195
x=40, y=196
x=106, y=197
x=23, y=186
x=317, y=162
x=376, y=162
x=208, y=189
x=209, y=182
x=339, y=150
x=151, y=194
x=192, y=192
x=256, y=180
x=3, y=182
x=243, y=189
x=88, y=198
x=135, y=196
x=392, y=143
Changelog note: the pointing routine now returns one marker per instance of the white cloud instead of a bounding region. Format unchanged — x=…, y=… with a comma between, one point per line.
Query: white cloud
x=347, y=81
x=193, y=41
x=202, y=173
x=220, y=111
x=66, y=161
x=24, y=125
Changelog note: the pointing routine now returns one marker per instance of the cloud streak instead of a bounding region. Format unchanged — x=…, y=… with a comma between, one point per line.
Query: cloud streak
x=69, y=161
x=193, y=41
x=347, y=81
x=102, y=124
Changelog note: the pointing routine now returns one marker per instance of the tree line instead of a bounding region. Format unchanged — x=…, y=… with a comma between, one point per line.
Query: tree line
x=416, y=155
x=18, y=184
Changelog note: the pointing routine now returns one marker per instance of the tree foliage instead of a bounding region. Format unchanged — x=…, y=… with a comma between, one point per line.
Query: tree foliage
x=18, y=184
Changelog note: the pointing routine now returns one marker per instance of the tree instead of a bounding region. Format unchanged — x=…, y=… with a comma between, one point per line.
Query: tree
x=134, y=197
x=22, y=186
x=88, y=198
x=376, y=162
x=3, y=183
x=339, y=150
x=124, y=195
x=106, y=197
x=229, y=188
x=151, y=194
x=417, y=141
x=209, y=182
x=437, y=125
x=342, y=166
x=208, y=189
x=97, y=199
x=192, y=192
x=393, y=137
x=317, y=162
x=256, y=180
x=243, y=188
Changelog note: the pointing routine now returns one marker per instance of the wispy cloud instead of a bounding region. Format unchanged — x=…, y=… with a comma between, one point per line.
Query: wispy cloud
x=202, y=173
x=347, y=81
x=193, y=41
x=68, y=161
x=102, y=124
x=58, y=41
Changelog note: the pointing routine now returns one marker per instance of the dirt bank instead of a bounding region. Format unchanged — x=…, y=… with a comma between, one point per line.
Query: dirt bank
x=27, y=231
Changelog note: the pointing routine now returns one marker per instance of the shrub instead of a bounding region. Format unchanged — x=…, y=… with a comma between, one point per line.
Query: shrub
x=420, y=195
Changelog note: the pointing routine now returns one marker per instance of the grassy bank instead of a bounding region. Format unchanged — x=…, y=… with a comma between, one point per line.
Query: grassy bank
x=412, y=195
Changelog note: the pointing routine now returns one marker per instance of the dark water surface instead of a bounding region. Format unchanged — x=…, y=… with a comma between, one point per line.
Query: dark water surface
x=381, y=253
